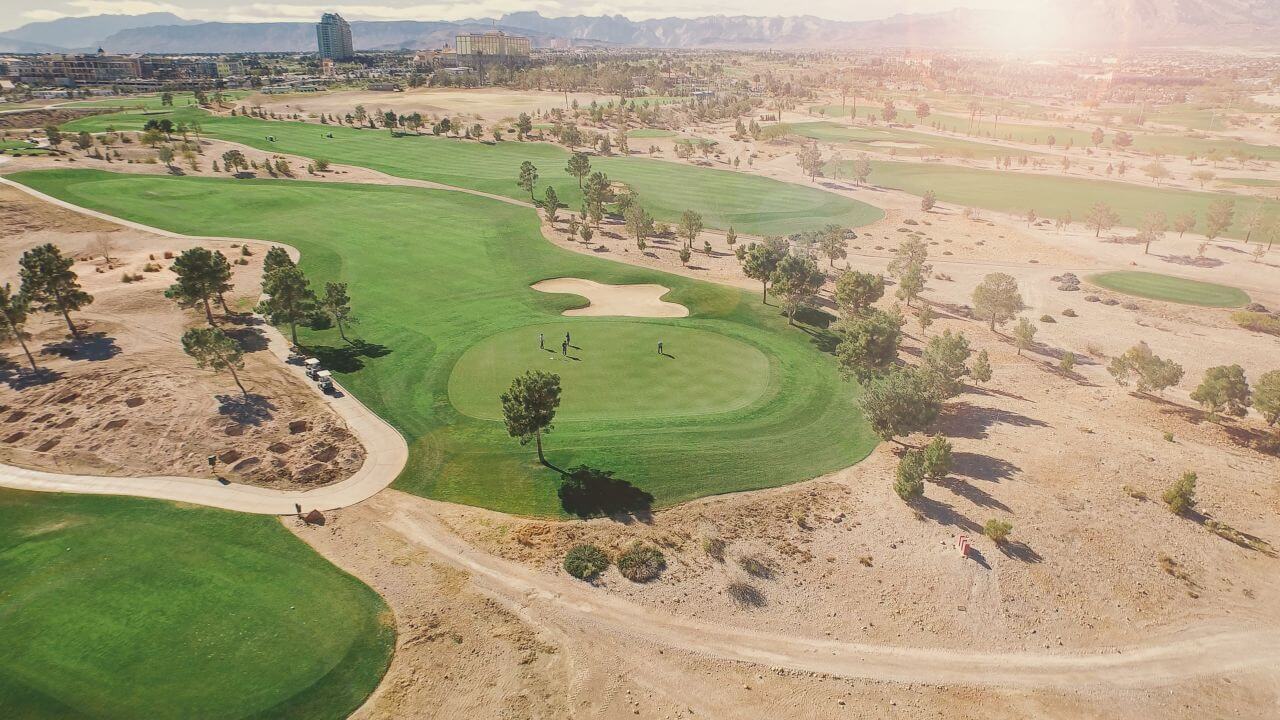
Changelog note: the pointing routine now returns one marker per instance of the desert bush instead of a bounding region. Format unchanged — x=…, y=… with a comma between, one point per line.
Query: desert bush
x=1181, y=496
x=909, y=483
x=1168, y=437
x=1134, y=493
x=130, y=277
x=714, y=547
x=168, y=254
x=245, y=251
x=1069, y=313
x=1257, y=322
x=755, y=567
x=745, y=595
x=151, y=267
x=1068, y=362
x=641, y=563
x=1047, y=319
x=585, y=561
x=866, y=561
x=937, y=458
x=998, y=530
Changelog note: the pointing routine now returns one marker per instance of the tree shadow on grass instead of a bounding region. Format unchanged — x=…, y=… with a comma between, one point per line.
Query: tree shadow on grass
x=91, y=346
x=982, y=467
x=815, y=317
x=349, y=358
x=590, y=492
x=253, y=409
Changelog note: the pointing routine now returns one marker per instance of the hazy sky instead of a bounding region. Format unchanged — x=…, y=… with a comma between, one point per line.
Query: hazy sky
x=18, y=12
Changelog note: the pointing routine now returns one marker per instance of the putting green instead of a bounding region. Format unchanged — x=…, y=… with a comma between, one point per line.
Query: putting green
x=436, y=273
x=1171, y=289
x=127, y=608
x=613, y=370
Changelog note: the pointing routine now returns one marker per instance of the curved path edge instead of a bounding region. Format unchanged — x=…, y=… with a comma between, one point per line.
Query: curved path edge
x=386, y=451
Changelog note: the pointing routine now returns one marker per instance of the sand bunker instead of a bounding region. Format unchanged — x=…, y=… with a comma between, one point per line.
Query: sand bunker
x=617, y=300
x=896, y=144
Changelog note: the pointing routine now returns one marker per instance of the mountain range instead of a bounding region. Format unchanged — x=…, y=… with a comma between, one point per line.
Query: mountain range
x=1093, y=23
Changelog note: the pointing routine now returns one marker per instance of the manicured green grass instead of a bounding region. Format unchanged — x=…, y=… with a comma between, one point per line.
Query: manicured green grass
x=21, y=147
x=650, y=133
x=748, y=203
x=613, y=370
x=437, y=273
x=126, y=608
x=1251, y=182
x=1050, y=195
x=1078, y=134
x=1171, y=289
x=863, y=138
x=152, y=102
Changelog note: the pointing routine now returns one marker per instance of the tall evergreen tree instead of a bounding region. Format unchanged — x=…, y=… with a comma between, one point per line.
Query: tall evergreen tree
x=50, y=283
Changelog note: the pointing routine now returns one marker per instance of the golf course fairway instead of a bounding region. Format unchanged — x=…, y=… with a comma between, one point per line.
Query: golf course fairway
x=117, y=607
x=748, y=203
x=435, y=275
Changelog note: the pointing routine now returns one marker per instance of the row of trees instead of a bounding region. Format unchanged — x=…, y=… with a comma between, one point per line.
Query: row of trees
x=1224, y=390
x=204, y=275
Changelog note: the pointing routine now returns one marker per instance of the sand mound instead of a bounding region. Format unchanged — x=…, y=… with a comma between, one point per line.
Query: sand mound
x=617, y=300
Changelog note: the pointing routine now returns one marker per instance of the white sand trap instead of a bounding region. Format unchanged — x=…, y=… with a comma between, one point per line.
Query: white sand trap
x=616, y=300
x=895, y=144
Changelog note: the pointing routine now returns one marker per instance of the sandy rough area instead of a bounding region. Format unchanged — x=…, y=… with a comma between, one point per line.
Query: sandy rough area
x=127, y=400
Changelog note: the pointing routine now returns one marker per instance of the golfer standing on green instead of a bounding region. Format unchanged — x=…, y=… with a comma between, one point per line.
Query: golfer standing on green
x=542, y=342
x=660, y=348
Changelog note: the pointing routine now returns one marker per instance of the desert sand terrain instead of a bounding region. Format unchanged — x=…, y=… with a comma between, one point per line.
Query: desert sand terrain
x=128, y=401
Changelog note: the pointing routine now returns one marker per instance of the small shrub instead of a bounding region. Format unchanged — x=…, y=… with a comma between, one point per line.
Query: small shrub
x=745, y=595
x=130, y=277
x=1168, y=437
x=998, y=530
x=1134, y=493
x=641, y=563
x=865, y=561
x=937, y=458
x=1069, y=313
x=1181, y=496
x=151, y=267
x=714, y=547
x=1258, y=322
x=245, y=251
x=1174, y=569
x=755, y=567
x=241, y=261
x=909, y=483
x=1068, y=362
x=1047, y=319
x=168, y=254
x=585, y=561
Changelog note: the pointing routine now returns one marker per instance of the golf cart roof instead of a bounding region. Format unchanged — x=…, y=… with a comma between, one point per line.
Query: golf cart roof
x=312, y=361
x=324, y=374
